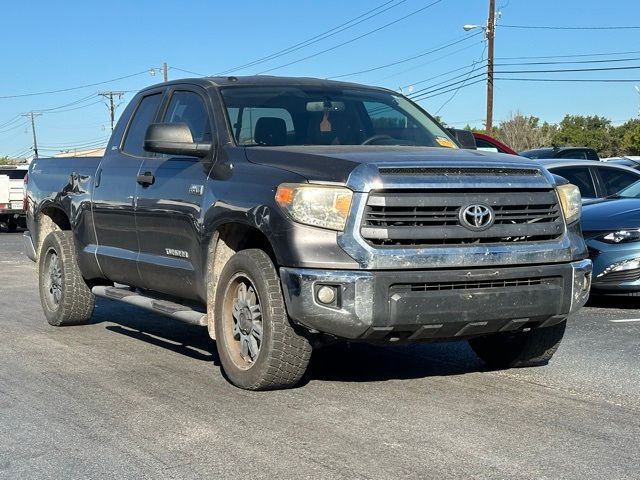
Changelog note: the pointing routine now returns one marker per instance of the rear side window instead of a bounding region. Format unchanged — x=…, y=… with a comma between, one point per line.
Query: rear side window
x=485, y=146
x=189, y=108
x=613, y=180
x=253, y=116
x=580, y=177
x=145, y=113
x=573, y=154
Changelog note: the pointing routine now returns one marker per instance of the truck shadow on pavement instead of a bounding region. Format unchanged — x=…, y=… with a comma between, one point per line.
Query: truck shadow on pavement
x=190, y=340
x=613, y=301
x=339, y=362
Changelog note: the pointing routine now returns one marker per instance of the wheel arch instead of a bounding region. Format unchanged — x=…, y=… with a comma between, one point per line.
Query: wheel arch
x=228, y=239
x=50, y=218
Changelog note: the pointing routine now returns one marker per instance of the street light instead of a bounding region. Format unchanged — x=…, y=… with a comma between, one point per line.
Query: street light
x=468, y=27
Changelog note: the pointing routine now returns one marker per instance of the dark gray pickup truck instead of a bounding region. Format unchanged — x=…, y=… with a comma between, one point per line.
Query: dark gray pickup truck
x=284, y=213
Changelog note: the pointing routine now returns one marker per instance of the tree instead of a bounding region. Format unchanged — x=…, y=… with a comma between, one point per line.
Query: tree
x=587, y=131
x=631, y=140
x=523, y=132
x=6, y=161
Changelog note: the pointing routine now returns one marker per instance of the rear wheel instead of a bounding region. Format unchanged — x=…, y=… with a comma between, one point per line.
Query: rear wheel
x=65, y=297
x=521, y=349
x=12, y=225
x=258, y=347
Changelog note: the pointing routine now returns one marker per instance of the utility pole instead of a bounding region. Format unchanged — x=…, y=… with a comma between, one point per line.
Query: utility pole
x=33, y=115
x=490, y=32
x=165, y=71
x=112, y=106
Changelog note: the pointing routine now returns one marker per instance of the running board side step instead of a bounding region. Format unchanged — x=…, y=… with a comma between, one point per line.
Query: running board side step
x=163, y=307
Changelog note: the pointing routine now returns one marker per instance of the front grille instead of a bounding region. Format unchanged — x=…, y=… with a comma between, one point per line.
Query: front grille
x=475, y=285
x=417, y=218
x=459, y=171
x=621, y=276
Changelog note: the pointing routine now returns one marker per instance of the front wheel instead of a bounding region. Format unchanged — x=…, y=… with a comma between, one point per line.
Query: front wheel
x=66, y=299
x=520, y=349
x=258, y=347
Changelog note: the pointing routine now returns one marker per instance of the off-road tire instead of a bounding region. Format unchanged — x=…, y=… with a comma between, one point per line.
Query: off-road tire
x=284, y=352
x=76, y=302
x=521, y=349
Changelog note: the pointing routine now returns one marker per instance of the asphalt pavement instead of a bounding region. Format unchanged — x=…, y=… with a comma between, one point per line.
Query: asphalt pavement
x=136, y=395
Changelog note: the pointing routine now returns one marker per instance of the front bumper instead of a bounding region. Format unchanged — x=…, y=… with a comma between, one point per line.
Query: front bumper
x=615, y=266
x=435, y=304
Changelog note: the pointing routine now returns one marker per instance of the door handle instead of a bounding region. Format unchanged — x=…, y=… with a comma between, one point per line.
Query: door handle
x=146, y=179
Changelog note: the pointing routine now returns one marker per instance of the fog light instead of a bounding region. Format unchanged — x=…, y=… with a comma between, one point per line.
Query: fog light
x=326, y=294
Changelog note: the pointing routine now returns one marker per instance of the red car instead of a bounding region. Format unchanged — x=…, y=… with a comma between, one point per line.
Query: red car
x=485, y=142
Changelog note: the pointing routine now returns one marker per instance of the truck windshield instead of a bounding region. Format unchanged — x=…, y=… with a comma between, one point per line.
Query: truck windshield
x=280, y=116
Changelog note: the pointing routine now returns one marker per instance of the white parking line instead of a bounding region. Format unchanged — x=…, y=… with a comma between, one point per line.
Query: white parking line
x=626, y=320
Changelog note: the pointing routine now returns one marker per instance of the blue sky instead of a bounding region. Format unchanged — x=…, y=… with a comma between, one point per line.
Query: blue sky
x=58, y=45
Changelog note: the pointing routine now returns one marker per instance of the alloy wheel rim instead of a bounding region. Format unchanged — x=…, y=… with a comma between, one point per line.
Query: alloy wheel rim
x=54, y=279
x=246, y=318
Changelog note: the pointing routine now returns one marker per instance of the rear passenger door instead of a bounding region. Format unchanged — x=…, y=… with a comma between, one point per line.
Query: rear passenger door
x=581, y=177
x=169, y=211
x=114, y=194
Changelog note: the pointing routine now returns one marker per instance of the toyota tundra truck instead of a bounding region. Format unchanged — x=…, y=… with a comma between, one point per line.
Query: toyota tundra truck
x=285, y=213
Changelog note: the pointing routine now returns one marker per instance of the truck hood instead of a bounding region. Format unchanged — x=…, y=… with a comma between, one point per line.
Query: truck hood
x=336, y=163
x=611, y=214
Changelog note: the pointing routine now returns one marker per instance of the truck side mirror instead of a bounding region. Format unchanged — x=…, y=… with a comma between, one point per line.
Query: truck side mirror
x=464, y=137
x=174, y=139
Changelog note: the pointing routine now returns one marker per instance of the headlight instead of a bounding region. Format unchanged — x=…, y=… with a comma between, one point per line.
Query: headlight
x=325, y=207
x=570, y=201
x=621, y=236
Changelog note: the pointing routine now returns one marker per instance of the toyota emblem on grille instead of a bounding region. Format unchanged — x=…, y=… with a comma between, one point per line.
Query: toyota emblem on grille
x=477, y=217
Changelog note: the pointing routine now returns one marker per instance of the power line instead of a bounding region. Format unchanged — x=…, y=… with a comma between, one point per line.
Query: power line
x=563, y=70
x=429, y=93
x=322, y=36
x=553, y=27
x=188, y=71
x=15, y=127
x=564, y=62
x=415, y=12
x=33, y=94
x=455, y=92
x=420, y=65
x=437, y=76
x=595, y=80
x=570, y=56
x=466, y=85
x=408, y=59
x=474, y=67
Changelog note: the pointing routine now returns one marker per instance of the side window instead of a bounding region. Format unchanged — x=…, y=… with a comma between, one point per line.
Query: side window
x=580, y=177
x=573, y=154
x=189, y=108
x=614, y=180
x=142, y=118
x=485, y=146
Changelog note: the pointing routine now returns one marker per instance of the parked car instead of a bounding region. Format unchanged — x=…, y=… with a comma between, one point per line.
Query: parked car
x=282, y=212
x=490, y=144
x=632, y=161
x=12, y=196
x=611, y=228
x=595, y=180
x=576, y=153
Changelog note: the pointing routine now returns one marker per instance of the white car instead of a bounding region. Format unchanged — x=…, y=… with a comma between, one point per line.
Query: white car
x=12, y=195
